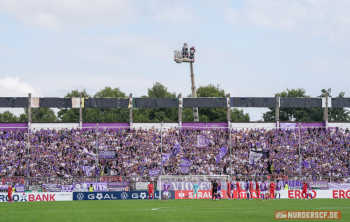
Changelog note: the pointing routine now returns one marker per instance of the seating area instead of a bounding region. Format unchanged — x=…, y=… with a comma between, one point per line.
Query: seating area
x=72, y=152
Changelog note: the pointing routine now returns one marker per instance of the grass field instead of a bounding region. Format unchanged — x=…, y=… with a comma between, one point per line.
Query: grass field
x=172, y=210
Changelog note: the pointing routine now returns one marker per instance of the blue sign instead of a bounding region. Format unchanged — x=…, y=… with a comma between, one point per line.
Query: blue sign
x=118, y=195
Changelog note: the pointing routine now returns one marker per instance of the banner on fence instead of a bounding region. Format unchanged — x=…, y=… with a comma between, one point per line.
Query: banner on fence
x=32, y=187
x=141, y=185
x=118, y=184
x=126, y=195
x=153, y=172
x=52, y=187
x=21, y=197
x=188, y=185
x=84, y=186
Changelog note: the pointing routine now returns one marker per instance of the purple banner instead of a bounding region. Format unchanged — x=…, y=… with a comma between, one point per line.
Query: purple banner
x=14, y=126
x=222, y=153
x=19, y=188
x=339, y=186
x=107, y=154
x=153, y=172
x=67, y=188
x=203, y=126
x=188, y=185
x=298, y=185
x=84, y=187
x=106, y=125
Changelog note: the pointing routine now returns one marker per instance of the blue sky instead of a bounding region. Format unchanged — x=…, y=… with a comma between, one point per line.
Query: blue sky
x=249, y=48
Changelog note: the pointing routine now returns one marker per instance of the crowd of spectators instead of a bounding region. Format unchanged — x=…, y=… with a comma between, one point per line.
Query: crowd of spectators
x=72, y=152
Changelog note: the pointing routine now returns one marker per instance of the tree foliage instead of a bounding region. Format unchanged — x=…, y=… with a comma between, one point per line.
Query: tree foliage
x=139, y=115
x=306, y=114
x=214, y=114
x=156, y=114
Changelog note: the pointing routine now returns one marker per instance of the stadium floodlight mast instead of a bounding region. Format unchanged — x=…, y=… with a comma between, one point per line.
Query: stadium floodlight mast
x=188, y=56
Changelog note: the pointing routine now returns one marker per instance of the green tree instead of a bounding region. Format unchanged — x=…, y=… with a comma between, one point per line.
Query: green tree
x=40, y=115
x=156, y=114
x=8, y=117
x=107, y=115
x=336, y=114
x=214, y=114
x=306, y=114
x=72, y=114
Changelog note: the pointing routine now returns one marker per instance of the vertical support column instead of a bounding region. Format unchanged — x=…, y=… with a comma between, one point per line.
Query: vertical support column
x=180, y=111
x=130, y=110
x=29, y=111
x=194, y=95
x=229, y=128
x=277, y=111
x=325, y=112
x=81, y=112
x=229, y=110
x=29, y=131
x=161, y=148
x=300, y=157
x=97, y=151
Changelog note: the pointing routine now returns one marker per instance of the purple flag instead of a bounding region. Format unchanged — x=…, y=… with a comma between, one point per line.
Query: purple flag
x=185, y=165
x=184, y=169
x=203, y=141
x=185, y=162
x=87, y=170
x=222, y=153
x=175, y=150
x=165, y=157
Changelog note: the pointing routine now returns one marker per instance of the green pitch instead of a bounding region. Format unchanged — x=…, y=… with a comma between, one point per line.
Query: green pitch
x=172, y=210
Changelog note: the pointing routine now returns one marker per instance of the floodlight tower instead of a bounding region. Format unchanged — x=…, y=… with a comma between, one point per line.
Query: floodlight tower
x=185, y=56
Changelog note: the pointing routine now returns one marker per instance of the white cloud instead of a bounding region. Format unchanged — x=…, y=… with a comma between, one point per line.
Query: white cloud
x=12, y=87
x=125, y=48
x=172, y=12
x=68, y=13
x=316, y=17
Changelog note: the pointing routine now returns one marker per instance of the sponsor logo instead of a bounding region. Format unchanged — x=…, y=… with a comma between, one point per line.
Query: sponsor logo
x=307, y=215
x=124, y=195
x=80, y=196
x=341, y=194
x=99, y=196
x=23, y=197
x=143, y=195
x=282, y=214
x=298, y=194
x=181, y=195
x=135, y=196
